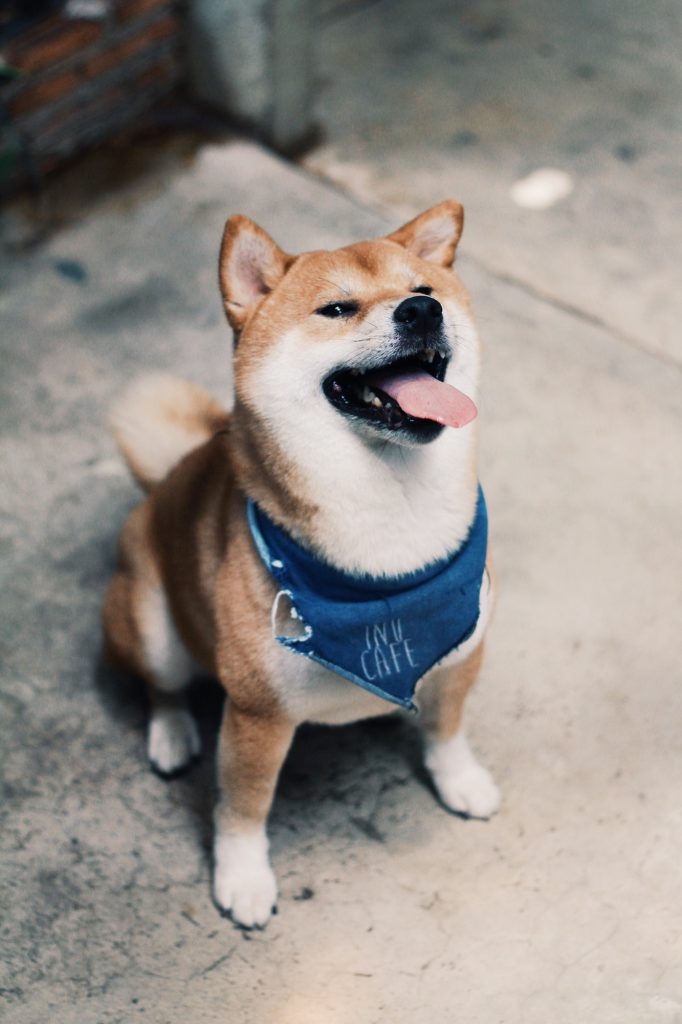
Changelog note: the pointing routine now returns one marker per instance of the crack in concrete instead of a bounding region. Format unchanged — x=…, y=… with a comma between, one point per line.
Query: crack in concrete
x=505, y=277
x=212, y=966
x=571, y=309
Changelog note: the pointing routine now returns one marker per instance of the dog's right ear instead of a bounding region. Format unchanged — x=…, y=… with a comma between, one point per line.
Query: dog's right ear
x=251, y=264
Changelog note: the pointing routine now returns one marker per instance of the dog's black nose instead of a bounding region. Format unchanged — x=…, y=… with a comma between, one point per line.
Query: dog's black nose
x=419, y=313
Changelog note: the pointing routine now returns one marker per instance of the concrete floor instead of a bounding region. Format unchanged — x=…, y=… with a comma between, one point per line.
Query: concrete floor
x=466, y=98
x=567, y=907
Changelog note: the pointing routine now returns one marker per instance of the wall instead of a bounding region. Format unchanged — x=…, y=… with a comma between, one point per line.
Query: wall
x=81, y=80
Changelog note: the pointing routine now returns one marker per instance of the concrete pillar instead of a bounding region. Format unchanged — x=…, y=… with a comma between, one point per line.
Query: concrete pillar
x=252, y=59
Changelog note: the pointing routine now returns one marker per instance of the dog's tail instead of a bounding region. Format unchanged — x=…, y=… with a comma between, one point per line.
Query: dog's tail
x=158, y=420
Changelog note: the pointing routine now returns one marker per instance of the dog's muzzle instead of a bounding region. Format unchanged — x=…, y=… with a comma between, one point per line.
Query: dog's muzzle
x=419, y=315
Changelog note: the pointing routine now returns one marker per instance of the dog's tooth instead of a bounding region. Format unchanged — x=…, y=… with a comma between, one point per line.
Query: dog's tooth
x=429, y=354
x=367, y=395
x=376, y=402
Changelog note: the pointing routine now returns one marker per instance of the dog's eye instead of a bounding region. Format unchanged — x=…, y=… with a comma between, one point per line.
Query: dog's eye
x=423, y=289
x=337, y=309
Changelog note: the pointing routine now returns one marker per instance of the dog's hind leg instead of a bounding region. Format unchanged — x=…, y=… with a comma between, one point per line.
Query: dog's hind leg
x=173, y=742
x=141, y=636
x=463, y=784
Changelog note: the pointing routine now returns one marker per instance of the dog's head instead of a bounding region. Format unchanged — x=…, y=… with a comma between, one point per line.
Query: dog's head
x=375, y=338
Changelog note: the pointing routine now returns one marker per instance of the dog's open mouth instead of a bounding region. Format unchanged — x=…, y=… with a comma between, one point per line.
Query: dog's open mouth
x=408, y=394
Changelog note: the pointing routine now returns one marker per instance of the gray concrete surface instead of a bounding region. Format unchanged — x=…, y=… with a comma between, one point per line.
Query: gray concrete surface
x=567, y=907
x=463, y=99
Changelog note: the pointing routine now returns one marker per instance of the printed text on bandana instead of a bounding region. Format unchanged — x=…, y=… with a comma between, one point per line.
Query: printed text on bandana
x=387, y=651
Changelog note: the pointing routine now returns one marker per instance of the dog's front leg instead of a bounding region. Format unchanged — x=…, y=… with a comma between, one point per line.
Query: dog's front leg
x=463, y=784
x=251, y=752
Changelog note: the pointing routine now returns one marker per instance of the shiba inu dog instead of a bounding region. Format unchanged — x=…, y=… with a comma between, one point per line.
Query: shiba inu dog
x=322, y=548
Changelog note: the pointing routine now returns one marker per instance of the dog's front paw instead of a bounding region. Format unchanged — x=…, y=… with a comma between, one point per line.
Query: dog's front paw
x=471, y=792
x=464, y=785
x=244, y=885
x=173, y=742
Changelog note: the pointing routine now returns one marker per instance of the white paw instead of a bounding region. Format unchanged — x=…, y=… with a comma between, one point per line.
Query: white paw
x=173, y=740
x=463, y=784
x=472, y=792
x=243, y=882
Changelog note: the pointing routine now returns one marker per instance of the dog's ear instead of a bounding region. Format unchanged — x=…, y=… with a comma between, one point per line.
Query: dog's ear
x=251, y=264
x=433, y=235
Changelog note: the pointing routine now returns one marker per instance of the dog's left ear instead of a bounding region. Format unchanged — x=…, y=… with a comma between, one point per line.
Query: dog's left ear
x=433, y=235
x=251, y=265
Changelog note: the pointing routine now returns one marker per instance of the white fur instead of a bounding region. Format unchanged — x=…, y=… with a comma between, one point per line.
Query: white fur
x=158, y=421
x=434, y=238
x=382, y=508
x=243, y=881
x=173, y=739
x=165, y=653
x=309, y=692
x=463, y=784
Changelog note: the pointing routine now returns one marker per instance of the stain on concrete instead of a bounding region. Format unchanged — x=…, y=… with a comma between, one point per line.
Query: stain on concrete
x=72, y=270
x=156, y=296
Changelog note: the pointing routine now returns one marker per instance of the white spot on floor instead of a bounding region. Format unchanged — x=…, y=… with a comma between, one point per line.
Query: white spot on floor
x=109, y=467
x=542, y=188
x=665, y=1005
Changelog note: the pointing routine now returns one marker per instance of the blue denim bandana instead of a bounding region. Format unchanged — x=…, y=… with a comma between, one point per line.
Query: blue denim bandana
x=382, y=633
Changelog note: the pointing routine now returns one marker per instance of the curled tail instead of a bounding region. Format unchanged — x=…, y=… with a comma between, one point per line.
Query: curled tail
x=158, y=420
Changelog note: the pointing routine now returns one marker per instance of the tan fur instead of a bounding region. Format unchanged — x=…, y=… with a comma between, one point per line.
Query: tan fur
x=253, y=747
x=158, y=420
x=434, y=235
x=442, y=697
x=249, y=267
x=189, y=539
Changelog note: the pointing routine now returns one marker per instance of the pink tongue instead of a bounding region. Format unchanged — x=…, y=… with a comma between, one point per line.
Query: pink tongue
x=422, y=396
